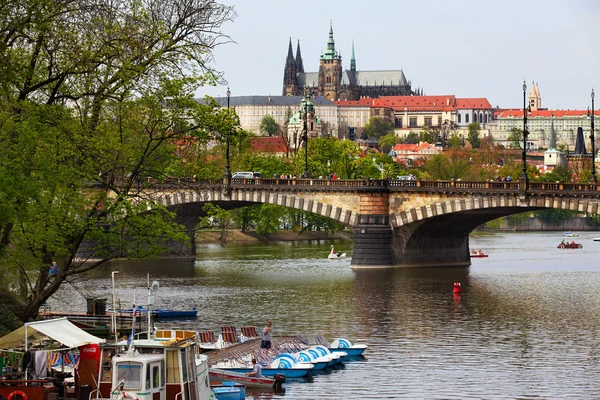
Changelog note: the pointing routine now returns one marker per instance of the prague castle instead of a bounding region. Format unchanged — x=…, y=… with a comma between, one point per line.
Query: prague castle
x=335, y=83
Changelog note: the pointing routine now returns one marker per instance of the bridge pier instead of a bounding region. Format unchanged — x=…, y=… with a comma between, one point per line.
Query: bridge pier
x=373, y=234
x=414, y=247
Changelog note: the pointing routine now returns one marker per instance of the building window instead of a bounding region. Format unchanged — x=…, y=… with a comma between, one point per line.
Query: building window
x=458, y=116
x=398, y=122
x=377, y=111
x=412, y=122
x=428, y=122
x=466, y=118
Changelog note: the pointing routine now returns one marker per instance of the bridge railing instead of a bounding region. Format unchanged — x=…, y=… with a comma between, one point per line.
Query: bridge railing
x=393, y=184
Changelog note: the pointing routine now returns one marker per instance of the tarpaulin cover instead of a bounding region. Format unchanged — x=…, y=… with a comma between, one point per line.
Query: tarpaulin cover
x=60, y=330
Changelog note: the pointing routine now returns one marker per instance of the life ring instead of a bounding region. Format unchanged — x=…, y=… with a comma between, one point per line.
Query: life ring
x=129, y=395
x=19, y=393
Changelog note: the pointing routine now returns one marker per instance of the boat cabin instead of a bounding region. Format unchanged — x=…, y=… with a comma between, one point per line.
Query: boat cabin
x=168, y=366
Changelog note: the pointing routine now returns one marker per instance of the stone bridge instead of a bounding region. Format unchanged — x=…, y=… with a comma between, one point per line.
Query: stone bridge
x=396, y=223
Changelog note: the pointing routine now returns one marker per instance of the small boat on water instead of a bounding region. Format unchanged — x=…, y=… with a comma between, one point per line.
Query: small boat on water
x=571, y=234
x=479, y=255
x=335, y=256
x=265, y=382
x=596, y=239
x=160, y=313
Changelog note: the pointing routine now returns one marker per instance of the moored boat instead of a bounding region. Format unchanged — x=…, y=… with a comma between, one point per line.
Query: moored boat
x=220, y=375
x=479, y=255
x=351, y=350
x=161, y=313
x=156, y=367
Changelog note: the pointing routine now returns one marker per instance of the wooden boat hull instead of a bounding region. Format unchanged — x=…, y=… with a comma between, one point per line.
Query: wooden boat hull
x=220, y=375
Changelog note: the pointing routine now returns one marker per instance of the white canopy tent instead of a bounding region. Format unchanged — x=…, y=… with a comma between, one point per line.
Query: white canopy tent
x=59, y=329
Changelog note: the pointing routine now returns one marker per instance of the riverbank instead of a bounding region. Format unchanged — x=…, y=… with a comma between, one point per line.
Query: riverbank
x=235, y=236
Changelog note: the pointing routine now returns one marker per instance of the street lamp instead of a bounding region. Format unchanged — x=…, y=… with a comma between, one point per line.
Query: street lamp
x=523, y=155
x=227, y=166
x=592, y=138
x=305, y=136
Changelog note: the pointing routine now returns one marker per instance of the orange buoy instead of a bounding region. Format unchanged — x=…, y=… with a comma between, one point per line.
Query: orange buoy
x=456, y=287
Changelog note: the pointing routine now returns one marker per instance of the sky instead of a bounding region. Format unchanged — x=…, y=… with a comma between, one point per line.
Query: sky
x=466, y=48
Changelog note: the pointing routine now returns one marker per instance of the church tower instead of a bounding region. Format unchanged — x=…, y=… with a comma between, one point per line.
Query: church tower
x=535, y=100
x=330, y=69
x=299, y=63
x=353, y=60
x=290, y=71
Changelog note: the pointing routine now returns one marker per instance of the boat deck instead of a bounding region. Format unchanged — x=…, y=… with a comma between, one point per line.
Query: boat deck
x=215, y=356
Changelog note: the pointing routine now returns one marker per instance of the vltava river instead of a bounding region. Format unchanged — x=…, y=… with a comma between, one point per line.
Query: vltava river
x=527, y=324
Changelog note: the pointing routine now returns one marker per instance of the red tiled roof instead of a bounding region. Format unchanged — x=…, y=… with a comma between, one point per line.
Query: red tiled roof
x=419, y=102
x=406, y=147
x=518, y=113
x=472, y=103
x=268, y=144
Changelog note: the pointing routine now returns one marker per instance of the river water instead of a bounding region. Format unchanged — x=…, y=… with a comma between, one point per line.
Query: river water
x=526, y=325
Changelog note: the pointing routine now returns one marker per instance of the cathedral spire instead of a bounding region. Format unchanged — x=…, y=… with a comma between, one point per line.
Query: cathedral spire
x=289, y=73
x=299, y=63
x=330, y=53
x=353, y=59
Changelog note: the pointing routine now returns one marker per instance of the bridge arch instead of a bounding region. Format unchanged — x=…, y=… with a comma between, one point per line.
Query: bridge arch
x=191, y=199
x=438, y=234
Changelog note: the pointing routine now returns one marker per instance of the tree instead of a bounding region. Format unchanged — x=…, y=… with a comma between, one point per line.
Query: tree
x=378, y=127
x=473, y=136
x=216, y=216
x=387, y=142
x=95, y=98
x=429, y=135
x=515, y=138
x=411, y=138
x=268, y=126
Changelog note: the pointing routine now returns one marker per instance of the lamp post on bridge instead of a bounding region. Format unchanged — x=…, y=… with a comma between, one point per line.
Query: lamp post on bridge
x=227, y=166
x=524, y=155
x=304, y=111
x=593, y=138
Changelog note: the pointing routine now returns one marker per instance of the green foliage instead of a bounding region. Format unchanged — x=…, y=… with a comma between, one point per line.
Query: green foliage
x=269, y=217
x=517, y=219
x=593, y=220
x=411, y=138
x=428, y=135
x=378, y=127
x=90, y=109
x=387, y=142
x=555, y=215
x=440, y=166
x=455, y=141
x=558, y=174
x=495, y=223
x=268, y=126
x=515, y=138
x=473, y=136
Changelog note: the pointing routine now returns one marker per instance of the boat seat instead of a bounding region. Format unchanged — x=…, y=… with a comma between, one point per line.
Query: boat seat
x=249, y=331
x=229, y=334
x=207, y=337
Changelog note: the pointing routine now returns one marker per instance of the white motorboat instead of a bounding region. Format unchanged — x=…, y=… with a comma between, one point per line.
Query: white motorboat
x=596, y=239
x=335, y=256
x=571, y=234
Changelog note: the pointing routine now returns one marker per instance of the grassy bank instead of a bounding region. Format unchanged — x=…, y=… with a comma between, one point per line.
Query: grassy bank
x=236, y=236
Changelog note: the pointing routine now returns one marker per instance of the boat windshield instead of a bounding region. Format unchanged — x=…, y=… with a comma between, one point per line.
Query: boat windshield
x=131, y=375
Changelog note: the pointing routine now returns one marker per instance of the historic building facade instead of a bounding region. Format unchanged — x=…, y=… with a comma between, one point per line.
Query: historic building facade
x=336, y=83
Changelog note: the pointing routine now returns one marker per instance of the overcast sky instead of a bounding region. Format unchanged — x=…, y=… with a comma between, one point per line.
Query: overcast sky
x=468, y=48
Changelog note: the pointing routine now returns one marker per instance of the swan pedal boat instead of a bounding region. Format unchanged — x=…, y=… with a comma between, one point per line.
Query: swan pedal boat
x=335, y=256
x=221, y=375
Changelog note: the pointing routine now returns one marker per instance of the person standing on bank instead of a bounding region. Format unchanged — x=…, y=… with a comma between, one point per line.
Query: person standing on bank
x=265, y=339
